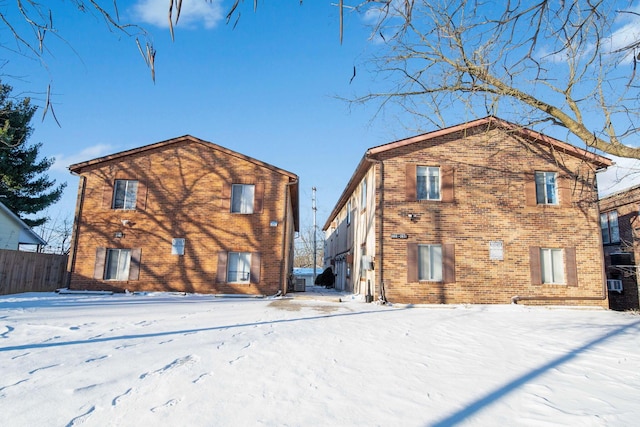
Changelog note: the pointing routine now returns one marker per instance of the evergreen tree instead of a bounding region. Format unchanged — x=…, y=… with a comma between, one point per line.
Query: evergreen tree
x=24, y=186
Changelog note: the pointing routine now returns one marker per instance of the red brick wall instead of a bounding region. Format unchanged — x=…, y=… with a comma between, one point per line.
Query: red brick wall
x=626, y=203
x=185, y=198
x=491, y=172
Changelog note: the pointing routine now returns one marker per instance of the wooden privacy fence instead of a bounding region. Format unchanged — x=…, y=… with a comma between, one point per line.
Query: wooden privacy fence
x=31, y=272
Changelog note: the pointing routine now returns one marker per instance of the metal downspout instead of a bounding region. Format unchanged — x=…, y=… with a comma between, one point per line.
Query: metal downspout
x=283, y=279
x=382, y=292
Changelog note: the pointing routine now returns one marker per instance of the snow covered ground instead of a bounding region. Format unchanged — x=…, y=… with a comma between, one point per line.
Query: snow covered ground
x=196, y=360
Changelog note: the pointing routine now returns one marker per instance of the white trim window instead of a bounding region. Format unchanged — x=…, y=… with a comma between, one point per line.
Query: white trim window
x=117, y=264
x=609, y=226
x=363, y=194
x=428, y=183
x=177, y=246
x=239, y=267
x=430, y=263
x=242, y=197
x=349, y=212
x=125, y=193
x=546, y=188
x=552, y=265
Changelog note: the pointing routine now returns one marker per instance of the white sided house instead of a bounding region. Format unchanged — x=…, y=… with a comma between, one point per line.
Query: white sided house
x=14, y=232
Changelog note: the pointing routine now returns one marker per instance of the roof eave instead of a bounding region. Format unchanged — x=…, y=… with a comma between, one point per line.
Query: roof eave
x=77, y=168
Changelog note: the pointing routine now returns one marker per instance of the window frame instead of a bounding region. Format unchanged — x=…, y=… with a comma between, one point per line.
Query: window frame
x=177, y=245
x=432, y=274
x=244, y=208
x=247, y=261
x=128, y=203
x=553, y=274
x=428, y=184
x=121, y=274
x=607, y=227
x=363, y=194
x=542, y=187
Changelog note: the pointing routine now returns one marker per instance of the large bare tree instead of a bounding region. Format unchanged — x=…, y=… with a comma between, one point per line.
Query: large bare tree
x=33, y=23
x=304, y=248
x=569, y=63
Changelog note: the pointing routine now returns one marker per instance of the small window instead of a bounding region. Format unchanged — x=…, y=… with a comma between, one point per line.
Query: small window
x=546, y=188
x=552, y=265
x=239, y=267
x=614, y=285
x=609, y=226
x=349, y=212
x=117, y=265
x=242, y=197
x=177, y=247
x=430, y=263
x=363, y=194
x=428, y=183
x=125, y=194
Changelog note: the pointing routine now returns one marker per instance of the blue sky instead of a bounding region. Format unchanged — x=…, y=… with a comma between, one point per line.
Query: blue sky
x=269, y=89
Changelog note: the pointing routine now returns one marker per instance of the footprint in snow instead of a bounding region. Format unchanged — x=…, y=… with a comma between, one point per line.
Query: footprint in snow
x=175, y=364
x=231, y=362
x=201, y=378
x=81, y=419
x=7, y=332
x=42, y=368
x=117, y=399
x=20, y=355
x=168, y=404
x=94, y=359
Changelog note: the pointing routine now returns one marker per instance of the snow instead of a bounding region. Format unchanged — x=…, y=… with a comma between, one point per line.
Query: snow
x=164, y=359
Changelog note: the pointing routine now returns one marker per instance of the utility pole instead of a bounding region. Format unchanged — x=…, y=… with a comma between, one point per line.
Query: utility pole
x=314, y=208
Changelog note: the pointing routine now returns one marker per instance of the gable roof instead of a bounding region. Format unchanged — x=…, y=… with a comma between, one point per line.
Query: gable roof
x=27, y=235
x=78, y=168
x=372, y=154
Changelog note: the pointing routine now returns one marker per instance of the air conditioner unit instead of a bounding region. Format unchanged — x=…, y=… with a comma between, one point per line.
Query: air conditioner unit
x=621, y=258
x=614, y=285
x=299, y=285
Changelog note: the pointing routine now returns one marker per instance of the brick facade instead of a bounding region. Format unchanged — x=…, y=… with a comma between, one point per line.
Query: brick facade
x=621, y=254
x=184, y=190
x=486, y=221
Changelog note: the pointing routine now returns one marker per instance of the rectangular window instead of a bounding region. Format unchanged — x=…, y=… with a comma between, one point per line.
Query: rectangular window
x=430, y=263
x=546, y=188
x=177, y=246
x=428, y=183
x=349, y=212
x=242, y=197
x=609, y=226
x=239, y=267
x=117, y=265
x=552, y=265
x=363, y=194
x=125, y=194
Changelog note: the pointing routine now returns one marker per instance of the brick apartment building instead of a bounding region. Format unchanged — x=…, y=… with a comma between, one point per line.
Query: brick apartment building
x=483, y=212
x=620, y=236
x=183, y=215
